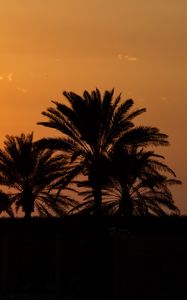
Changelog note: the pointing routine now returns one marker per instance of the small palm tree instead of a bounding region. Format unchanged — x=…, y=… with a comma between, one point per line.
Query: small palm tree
x=29, y=172
x=143, y=182
x=138, y=185
x=90, y=127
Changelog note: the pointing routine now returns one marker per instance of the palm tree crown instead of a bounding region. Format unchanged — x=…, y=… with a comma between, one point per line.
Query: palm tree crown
x=92, y=128
x=142, y=183
x=29, y=173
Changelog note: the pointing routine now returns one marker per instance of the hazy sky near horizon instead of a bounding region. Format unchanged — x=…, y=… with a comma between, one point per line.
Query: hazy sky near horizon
x=139, y=47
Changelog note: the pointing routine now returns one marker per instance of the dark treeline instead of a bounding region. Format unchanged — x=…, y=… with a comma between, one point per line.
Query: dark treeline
x=100, y=164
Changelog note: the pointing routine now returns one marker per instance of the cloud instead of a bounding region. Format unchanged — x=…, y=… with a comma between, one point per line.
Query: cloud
x=22, y=90
x=164, y=98
x=6, y=76
x=130, y=58
x=9, y=76
x=121, y=56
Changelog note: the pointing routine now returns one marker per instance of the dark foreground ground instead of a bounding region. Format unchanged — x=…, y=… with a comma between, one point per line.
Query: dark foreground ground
x=84, y=258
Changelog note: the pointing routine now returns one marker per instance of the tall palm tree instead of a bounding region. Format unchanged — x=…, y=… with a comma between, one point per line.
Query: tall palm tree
x=91, y=126
x=29, y=173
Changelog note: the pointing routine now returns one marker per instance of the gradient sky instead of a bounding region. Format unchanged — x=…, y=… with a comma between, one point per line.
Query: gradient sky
x=139, y=47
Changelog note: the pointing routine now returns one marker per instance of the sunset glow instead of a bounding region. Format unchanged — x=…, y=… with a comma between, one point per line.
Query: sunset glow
x=137, y=47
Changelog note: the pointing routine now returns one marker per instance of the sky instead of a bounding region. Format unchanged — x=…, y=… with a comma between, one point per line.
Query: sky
x=139, y=47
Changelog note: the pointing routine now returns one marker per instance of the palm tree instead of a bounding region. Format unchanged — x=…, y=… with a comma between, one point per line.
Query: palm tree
x=90, y=127
x=138, y=184
x=29, y=173
x=142, y=183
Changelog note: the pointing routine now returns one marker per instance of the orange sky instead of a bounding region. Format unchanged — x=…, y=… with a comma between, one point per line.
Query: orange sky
x=137, y=46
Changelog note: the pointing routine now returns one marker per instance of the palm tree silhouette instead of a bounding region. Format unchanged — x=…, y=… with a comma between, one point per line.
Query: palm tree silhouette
x=5, y=204
x=91, y=126
x=142, y=183
x=138, y=184
x=29, y=173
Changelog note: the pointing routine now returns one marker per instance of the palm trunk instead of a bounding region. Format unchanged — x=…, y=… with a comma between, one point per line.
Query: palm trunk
x=125, y=205
x=97, y=200
x=28, y=202
x=28, y=214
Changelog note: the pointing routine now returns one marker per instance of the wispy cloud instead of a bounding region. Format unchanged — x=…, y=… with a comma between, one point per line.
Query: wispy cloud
x=9, y=76
x=6, y=76
x=164, y=98
x=21, y=89
x=130, y=58
x=121, y=56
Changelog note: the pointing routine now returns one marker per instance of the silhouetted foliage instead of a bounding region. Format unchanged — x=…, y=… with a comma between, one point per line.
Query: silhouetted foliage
x=6, y=204
x=138, y=185
x=29, y=172
x=96, y=132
